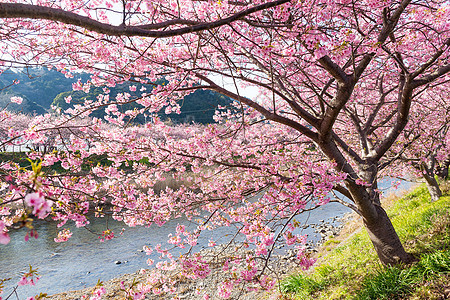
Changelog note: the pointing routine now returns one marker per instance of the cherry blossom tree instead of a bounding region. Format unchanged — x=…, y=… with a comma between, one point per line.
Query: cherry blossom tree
x=10, y=124
x=430, y=154
x=209, y=190
x=422, y=148
x=338, y=84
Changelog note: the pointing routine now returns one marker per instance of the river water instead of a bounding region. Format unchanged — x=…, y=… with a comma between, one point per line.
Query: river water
x=83, y=260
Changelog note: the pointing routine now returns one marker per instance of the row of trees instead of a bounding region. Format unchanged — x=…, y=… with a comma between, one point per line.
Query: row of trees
x=349, y=92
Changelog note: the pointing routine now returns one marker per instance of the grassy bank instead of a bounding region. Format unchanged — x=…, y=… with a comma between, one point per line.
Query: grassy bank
x=348, y=267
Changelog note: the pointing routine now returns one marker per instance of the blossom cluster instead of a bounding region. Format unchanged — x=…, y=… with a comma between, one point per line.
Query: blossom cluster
x=41, y=207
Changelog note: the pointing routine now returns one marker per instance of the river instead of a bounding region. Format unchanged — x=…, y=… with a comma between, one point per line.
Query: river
x=83, y=260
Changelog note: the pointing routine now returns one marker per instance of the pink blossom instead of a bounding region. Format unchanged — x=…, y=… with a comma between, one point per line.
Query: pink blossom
x=4, y=237
x=28, y=279
x=293, y=140
x=63, y=236
x=41, y=207
x=362, y=182
x=395, y=184
x=106, y=235
x=290, y=238
x=31, y=233
x=147, y=250
x=225, y=289
x=305, y=261
x=97, y=293
x=17, y=100
x=23, y=281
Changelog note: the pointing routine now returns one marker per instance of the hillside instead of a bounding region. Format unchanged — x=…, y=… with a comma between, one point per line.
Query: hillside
x=38, y=88
x=42, y=88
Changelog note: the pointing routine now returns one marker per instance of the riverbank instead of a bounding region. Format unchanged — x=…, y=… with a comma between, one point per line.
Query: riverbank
x=333, y=236
x=348, y=267
x=188, y=289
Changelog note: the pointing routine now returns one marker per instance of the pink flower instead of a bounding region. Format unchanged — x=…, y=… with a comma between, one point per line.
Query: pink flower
x=68, y=99
x=34, y=199
x=97, y=293
x=17, y=100
x=63, y=236
x=41, y=207
x=304, y=261
x=147, y=250
x=106, y=235
x=395, y=184
x=290, y=238
x=321, y=52
x=362, y=182
x=78, y=86
x=225, y=289
x=25, y=281
x=4, y=237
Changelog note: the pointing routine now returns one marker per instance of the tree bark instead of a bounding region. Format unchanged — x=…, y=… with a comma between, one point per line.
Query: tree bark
x=381, y=232
x=428, y=175
x=433, y=187
x=385, y=240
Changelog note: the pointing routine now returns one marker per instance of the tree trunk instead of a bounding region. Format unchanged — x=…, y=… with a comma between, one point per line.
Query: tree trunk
x=385, y=240
x=433, y=187
x=381, y=232
x=442, y=169
x=366, y=197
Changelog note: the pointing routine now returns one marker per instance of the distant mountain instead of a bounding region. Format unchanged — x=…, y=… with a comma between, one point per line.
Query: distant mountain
x=38, y=88
x=198, y=107
x=42, y=88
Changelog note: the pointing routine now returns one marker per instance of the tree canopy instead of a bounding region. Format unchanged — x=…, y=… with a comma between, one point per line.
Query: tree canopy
x=341, y=86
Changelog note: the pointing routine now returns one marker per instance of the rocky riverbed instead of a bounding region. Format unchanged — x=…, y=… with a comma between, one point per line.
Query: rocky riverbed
x=282, y=262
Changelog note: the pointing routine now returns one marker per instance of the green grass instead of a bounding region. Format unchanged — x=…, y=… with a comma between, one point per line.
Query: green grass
x=432, y=265
x=389, y=283
x=351, y=270
x=301, y=284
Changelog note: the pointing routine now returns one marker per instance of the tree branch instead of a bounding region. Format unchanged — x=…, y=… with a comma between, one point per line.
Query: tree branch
x=266, y=113
x=388, y=25
x=431, y=60
x=430, y=77
x=332, y=68
x=404, y=104
x=16, y=10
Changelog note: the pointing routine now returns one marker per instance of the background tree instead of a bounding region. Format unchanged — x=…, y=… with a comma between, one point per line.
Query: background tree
x=422, y=148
